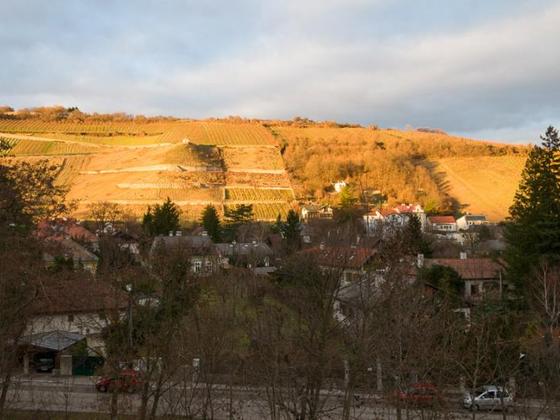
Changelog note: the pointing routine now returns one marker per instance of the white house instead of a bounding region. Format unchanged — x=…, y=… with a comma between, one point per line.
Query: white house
x=468, y=220
x=397, y=216
x=443, y=224
x=315, y=211
x=339, y=186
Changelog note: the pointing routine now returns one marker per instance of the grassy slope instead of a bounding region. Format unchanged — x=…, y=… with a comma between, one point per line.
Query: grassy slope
x=484, y=184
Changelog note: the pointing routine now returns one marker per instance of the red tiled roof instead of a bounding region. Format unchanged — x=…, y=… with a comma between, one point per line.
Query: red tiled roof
x=470, y=268
x=341, y=257
x=47, y=229
x=77, y=296
x=406, y=208
x=440, y=220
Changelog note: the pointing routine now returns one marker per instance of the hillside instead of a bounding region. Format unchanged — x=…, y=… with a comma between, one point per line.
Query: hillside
x=139, y=162
x=444, y=173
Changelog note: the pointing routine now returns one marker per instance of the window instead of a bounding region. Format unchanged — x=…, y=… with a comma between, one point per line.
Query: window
x=197, y=266
x=474, y=289
x=70, y=318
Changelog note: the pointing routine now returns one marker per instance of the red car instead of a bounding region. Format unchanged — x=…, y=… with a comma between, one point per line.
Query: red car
x=420, y=395
x=127, y=380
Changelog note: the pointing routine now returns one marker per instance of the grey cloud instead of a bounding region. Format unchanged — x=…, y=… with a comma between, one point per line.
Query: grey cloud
x=322, y=59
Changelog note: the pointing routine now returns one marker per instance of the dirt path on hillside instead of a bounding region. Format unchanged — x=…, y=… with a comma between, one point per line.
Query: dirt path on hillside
x=164, y=167
x=258, y=171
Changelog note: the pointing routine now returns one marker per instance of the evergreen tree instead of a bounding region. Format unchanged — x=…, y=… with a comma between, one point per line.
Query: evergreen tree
x=290, y=230
x=414, y=240
x=235, y=217
x=243, y=213
x=211, y=223
x=533, y=231
x=148, y=222
x=162, y=219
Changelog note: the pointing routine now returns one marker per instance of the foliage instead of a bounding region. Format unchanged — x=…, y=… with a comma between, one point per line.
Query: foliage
x=239, y=214
x=211, y=223
x=162, y=219
x=415, y=241
x=534, y=229
x=30, y=192
x=445, y=280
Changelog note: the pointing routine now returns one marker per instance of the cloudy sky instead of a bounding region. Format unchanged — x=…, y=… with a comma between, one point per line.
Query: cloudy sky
x=482, y=68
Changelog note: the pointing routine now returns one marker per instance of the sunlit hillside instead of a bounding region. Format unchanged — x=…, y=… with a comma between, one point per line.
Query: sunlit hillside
x=271, y=164
x=143, y=163
x=435, y=169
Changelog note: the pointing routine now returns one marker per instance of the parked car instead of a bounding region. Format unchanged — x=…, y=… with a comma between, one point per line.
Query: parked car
x=488, y=397
x=128, y=380
x=421, y=395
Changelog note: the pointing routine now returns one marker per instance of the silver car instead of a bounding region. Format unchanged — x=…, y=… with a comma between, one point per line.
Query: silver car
x=488, y=397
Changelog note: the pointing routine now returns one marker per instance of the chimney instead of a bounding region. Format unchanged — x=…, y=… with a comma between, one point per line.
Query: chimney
x=463, y=255
x=420, y=261
x=179, y=233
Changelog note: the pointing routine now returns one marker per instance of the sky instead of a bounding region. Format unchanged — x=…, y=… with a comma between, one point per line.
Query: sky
x=486, y=69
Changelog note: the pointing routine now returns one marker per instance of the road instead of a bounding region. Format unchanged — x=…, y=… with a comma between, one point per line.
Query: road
x=79, y=395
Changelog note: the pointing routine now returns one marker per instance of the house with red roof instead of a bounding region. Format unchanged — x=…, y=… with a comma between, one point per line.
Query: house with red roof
x=481, y=275
x=351, y=261
x=389, y=218
x=442, y=224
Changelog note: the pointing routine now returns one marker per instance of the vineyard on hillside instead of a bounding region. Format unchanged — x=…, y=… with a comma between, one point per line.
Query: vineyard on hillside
x=269, y=211
x=259, y=194
x=20, y=147
x=97, y=128
x=219, y=134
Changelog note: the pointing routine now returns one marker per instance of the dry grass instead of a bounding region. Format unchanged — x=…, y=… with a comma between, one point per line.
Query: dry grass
x=252, y=158
x=483, y=184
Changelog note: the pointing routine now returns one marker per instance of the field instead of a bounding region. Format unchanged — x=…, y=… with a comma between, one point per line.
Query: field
x=483, y=184
x=138, y=165
x=220, y=134
x=259, y=194
x=98, y=127
x=270, y=211
x=237, y=158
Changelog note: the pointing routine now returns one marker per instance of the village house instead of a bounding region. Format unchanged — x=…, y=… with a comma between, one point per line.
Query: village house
x=316, y=211
x=339, y=186
x=380, y=220
x=67, y=228
x=481, y=275
x=66, y=313
x=199, y=249
x=442, y=224
x=350, y=261
x=65, y=249
x=468, y=220
x=255, y=255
